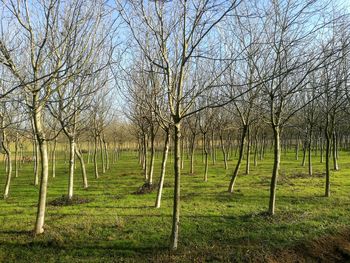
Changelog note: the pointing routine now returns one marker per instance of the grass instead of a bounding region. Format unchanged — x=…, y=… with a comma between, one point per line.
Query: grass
x=118, y=226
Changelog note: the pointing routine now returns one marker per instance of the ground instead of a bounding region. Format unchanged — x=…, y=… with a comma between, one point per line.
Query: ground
x=110, y=223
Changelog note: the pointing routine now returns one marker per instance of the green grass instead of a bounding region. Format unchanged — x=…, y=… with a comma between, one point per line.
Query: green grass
x=118, y=226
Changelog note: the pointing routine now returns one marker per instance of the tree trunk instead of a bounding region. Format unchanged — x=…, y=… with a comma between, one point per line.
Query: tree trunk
x=16, y=156
x=177, y=175
x=82, y=165
x=114, y=157
x=106, y=153
x=310, y=154
x=140, y=153
x=36, y=162
x=192, y=154
x=229, y=151
x=321, y=149
x=240, y=157
x=5, y=161
x=71, y=168
x=182, y=153
x=247, y=167
x=102, y=156
x=89, y=152
x=39, y=224
x=223, y=150
x=297, y=148
x=256, y=149
x=162, y=172
x=95, y=158
x=334, y=152
x=205, y=150
x=143, y=153
x=262, y=148
x=203, y=161
x=276, y=167
x=316, y=147
x=151, y=163
x=53, y=159
x=9, y=164
x=145, y=157
x=304, y=154
x=21, y=159
x=327, y=154
x=65, y=153
x=213, y=148
x=33, y=152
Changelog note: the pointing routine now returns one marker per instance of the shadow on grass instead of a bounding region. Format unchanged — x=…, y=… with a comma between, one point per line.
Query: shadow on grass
x=18, y=232
x=120, y=207
x=123, y=248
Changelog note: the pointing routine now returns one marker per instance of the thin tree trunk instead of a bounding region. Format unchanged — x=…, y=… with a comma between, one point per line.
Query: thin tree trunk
x=65, y=153
x=145, y=157
x=304, y=154
x=114, y=158
x=316, y=147
x=5, y=161
x=102, y=156
x=203, y=161
x=143, y=154
x=187, y=149
x=223, y=150
x=240, y=157
x=95, y=158
x=321, y=149
x=106, y=153
x=182, y=153
x=334, y=152
x=276, y=167
x=205, y=150
x=213, y=148
x=139, y=153
x=36, y=162
x=71, y=168
x=16, y=156
x=262, y=149
x=21, y=159
x=177, y=175
x=247, y=168
x=192, y=146
x=39, y=224
x=229, y=151
x=83, y=169
x=151, y=163
x=89, y=152
x=327, y=154
x=53, y=159
x=9, y=164
x=162, y=173
x=256, y=149
x=310, y=153
x=297, y=148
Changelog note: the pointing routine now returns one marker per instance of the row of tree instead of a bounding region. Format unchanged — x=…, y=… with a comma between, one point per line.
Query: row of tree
x=268, y=72
x=219, y=70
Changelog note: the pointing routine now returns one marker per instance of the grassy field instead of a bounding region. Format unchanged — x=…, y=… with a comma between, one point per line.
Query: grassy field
x=119, y=226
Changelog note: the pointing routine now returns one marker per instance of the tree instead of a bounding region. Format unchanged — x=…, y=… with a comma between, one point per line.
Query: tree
x=333, y=82
x=50, y=46
x=175, y=30
x=290, y=56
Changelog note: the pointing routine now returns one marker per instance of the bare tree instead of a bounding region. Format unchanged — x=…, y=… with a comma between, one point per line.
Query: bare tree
x=176, y=30
x=291, y=55
x=51, y=45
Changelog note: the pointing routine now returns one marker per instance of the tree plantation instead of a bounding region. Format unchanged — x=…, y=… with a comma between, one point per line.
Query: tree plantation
x=174, y=130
